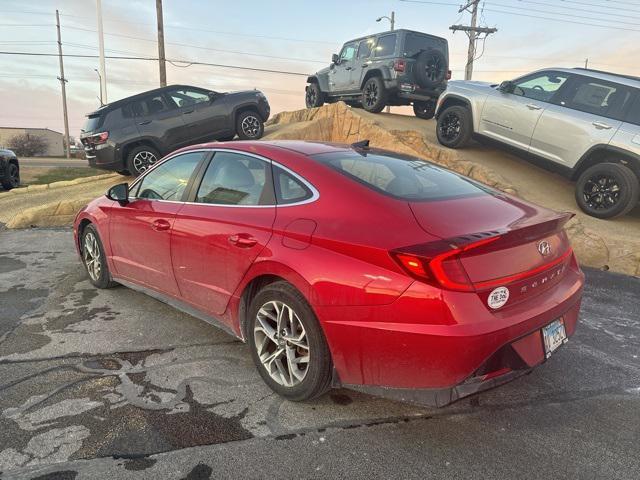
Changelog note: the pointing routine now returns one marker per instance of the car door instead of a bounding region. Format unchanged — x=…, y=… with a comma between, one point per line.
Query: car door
x=220, y=232
x=340, y=74
x=511, y=116
x=204, y=115
x=159, y=119
x=140, y=230
x=588, y=113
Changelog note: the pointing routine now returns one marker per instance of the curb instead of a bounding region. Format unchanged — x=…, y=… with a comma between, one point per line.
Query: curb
x=55, y=185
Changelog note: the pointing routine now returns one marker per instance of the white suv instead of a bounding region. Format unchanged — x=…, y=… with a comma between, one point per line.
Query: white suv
x=583, y=123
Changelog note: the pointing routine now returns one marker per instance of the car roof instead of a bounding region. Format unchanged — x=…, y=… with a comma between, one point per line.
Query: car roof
x=265, y=147
x=628, y=80
x=399, y=30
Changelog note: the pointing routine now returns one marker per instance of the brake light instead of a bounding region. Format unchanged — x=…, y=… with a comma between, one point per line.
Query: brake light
x=399, y=65
x=448, y=74
x=98, y=138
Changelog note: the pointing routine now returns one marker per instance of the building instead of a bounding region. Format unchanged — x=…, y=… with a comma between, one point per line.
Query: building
x=55, y=140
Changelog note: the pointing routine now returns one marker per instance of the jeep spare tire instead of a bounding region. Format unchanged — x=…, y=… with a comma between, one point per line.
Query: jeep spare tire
x=431, y=68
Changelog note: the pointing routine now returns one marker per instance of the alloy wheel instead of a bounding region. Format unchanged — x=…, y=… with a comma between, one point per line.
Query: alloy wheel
x=14, y=175
x=371, y=94
x=450, y=126
x=91, y=256
x=250, y=126
x=434, y=68
x=143, y=160
x=281, y=343
x=311, y=97
x=601, y=192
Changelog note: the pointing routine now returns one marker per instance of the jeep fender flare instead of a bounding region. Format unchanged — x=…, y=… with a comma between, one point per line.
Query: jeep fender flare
x=321, y=80
x=603, y=152
x=382, y=72
x=125, y=148
x=244, y=107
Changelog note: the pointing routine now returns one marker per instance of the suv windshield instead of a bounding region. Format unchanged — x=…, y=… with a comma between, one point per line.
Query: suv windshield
x=401, y=176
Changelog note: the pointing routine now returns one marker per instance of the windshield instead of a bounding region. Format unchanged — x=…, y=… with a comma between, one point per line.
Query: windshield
x=401, y=176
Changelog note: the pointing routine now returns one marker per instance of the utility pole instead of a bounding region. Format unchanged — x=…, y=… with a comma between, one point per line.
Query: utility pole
x=161, y=57
x=472, y=32
x=64, y=89
x=103, y=70
x=392, y=21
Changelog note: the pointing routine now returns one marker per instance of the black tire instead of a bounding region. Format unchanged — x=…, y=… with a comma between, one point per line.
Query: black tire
x=317, y=377
x=313, y=96
x=12, y=177
x=226, y=139
x=374, y=95
x=607, y=190
x=425, y=110
x=249, y=126
x=124, y=173
x=103, y=278
x=454, y=128
x=431, y=68
x=141, y=158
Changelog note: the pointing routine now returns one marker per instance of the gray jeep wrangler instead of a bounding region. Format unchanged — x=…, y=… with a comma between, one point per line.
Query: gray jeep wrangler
x=400, y=67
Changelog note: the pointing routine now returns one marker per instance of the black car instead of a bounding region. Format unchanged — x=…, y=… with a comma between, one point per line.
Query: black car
x=400, y=67
x=131, y=134
x=9, y=169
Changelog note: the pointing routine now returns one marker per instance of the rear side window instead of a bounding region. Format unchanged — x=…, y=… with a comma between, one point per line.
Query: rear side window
x=597, y=97
x=150, y=106
x=399, y=176
x=289, y=189
x=633, y=114
x=364, y=49
x=386, y=46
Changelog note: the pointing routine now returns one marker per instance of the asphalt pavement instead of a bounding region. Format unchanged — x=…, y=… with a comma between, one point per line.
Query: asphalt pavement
x=113, y=384
x=52, y=162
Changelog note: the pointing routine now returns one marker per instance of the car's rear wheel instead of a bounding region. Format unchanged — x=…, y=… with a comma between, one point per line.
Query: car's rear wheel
x=607, y=190
x=12, y=177
x=141, y=158
x=249, y=126
x=287, y=343
x=454, y=127
x=313, y=96
x=374, y=95
x=425, y=110
x=94, y=258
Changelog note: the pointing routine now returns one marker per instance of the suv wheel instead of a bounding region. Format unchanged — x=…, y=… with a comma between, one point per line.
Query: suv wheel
x=454, y=127
x=141, y=159
x=374, y=95
x=249, y=126
x=607, y=190
x=313, y=96
x=12, y=178
x=287, y=344
x=425, y=110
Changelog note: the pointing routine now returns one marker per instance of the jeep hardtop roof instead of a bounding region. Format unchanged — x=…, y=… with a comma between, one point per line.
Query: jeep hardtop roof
x=399, y=30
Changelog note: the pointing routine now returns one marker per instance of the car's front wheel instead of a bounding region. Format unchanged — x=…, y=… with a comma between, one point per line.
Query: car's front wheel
x=287, y=343
x=313, y=96
x=607, y=190
x=12, y=177
x=374, y=95
x=425, y=110
x=249, y=126
x=94, y=258
x=141, y=158
x=454, y=127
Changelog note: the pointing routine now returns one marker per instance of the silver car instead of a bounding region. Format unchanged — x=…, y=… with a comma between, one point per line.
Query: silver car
x=583, y=123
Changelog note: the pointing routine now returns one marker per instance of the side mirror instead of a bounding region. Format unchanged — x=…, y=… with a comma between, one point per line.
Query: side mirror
x=335, y=58
x=507, y=86
x=119, y=193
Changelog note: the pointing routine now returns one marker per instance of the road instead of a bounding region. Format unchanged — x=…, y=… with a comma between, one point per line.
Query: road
x=113, y=384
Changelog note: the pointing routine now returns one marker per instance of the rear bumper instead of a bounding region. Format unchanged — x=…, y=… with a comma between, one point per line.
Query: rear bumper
x=392, y=351
x=105, y=157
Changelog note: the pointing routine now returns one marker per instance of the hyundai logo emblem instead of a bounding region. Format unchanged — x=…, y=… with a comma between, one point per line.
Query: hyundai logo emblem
x=544, y=248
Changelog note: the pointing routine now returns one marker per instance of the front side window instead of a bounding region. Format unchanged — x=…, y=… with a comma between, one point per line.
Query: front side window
x=597, y=97
x=184, y=97
x=288, y=188
x=234, y=179
x=348, y=52
x=386, y=46
x=541, y=86
x=401, y=176
x=169, y=180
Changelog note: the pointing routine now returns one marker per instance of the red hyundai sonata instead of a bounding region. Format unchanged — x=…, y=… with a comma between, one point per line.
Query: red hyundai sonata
x=343, y=265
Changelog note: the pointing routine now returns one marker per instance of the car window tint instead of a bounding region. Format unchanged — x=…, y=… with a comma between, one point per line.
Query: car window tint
x=184, y=97
x=93, y=122
x=233, y=179
x=150, y=106
x=415, y=43
x=348, y=52
x=633, y=114
x=597, y=97
x=386, y=46
x=169, y=180
x=401, y=176
x=364, y=49
x=540, y=86
x=289, y=189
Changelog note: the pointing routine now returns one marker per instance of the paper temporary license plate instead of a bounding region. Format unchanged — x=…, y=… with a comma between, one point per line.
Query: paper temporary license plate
x=554, y=335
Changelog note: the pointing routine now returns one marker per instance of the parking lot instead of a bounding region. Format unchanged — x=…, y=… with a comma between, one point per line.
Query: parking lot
x=114, y=384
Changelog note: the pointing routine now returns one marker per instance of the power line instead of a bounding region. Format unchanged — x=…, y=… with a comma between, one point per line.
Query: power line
x=574, y=9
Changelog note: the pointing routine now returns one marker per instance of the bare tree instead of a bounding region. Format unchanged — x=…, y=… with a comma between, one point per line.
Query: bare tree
x=26, y=145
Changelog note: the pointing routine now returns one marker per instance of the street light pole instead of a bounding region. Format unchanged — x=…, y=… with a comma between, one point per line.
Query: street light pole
x=103, y=68
x=100, y=80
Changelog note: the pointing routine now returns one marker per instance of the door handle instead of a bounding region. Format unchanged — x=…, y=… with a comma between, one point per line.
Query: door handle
x=160, y=225
x=146, y=122
x=532, y=106
x=365, y=65
x=242, y=240
x=601, y=126
x=348, y=68
x=189, y=111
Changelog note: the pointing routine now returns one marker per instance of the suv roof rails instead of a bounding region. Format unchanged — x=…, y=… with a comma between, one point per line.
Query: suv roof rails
x=628, y=77
x=362, y=144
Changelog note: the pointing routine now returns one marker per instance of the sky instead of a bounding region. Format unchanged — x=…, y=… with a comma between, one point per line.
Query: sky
x=293, y=36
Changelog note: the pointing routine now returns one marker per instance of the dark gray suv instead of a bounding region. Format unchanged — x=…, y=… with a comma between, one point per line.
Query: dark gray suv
x=131, y=134
x=400, y=67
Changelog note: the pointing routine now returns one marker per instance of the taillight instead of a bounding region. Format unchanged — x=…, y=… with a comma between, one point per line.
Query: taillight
x=448, y=74
x=439, y=263
x=98, y=138
x=399, y=65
